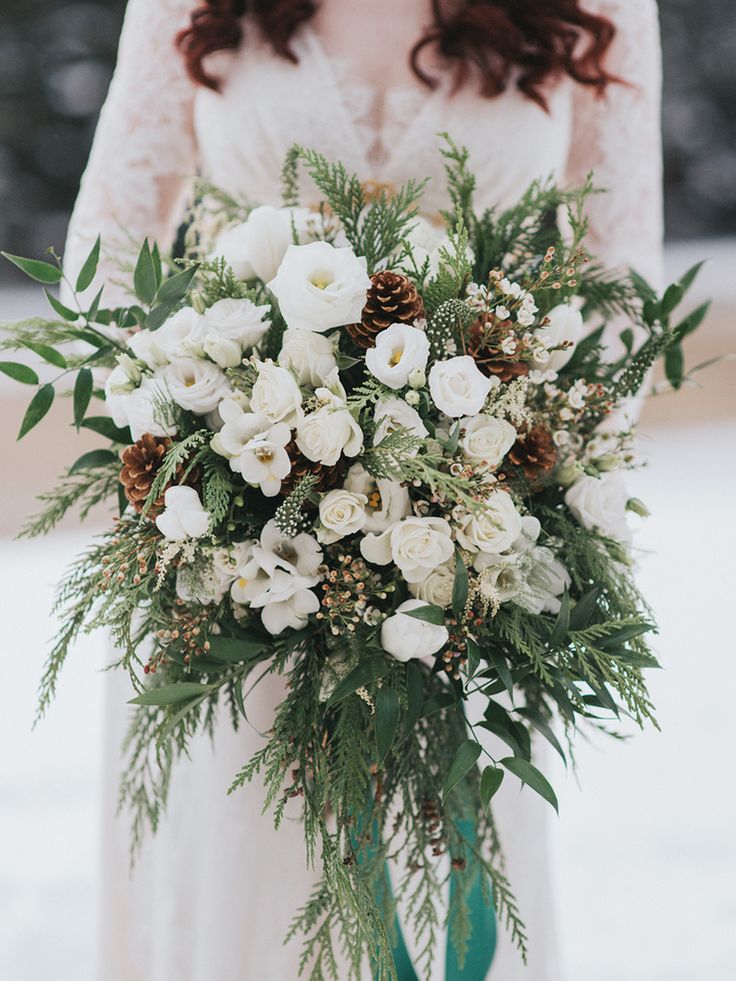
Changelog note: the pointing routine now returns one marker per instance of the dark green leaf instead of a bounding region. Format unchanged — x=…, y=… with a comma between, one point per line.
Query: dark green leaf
x=95, y=458
x=428, y=613
x=530, y=775
x=636, y=660
x=91, y=315
x=364, y=674
x=414, y=694
x=39, y=406
x=144, y=278
x=502, y=733
x=58, y=307
x=464, y=760
x=651, y=312
x=238, y=696
x=104, y=426
x=438, y=702
x=42, y=272
x=19, y=372
x=171, y=694
x=500, y=663
x=48, y=354
x=473, y=656
x=672, y=297
x=542, y=727
x=692, y=321
x=387, y=720
x=82, y=394
x=459, y=588
x=175, y=288
x=490, y=781
x=234, y=650
x=562, y=624
x=688, y=279
x=89, y=269
x=582, y=613
x=158, y=316
x=621, y=634
x=674, y=366
x=122, y=500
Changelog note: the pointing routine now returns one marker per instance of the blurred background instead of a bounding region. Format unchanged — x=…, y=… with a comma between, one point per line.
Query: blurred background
x=646, y=855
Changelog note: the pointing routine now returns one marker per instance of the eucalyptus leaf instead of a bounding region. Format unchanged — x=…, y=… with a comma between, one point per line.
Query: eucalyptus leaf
x=144, y=278
x=42, y=272
x=104, y=426
x=463, y=762
x=543, y=727
x=490, y=781
x=233, y=650
x=561, y=628
x=89, y=269
x=530, y=775
x=58, y=307
x=39, y=406
x=386, y=720
x=93, y=459
x=175, y=288
x=47, y=353
x=172, y=694
x=361, y=676
x=83, y=388
x=429, y=614
x=19, y=372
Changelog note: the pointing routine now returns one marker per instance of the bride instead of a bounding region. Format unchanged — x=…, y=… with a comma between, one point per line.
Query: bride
x=532, y=88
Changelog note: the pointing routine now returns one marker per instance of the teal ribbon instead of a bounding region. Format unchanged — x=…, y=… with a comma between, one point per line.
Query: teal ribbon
x=479, y=956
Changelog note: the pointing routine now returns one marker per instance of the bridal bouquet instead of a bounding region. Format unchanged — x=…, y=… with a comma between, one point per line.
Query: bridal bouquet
x=384, y=458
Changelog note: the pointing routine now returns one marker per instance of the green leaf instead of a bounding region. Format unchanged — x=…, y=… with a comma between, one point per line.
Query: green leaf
x=562, y=624
x=414, y=695
x=58, y=307
x=158, y=316
x=490, y=781
x=637, y=660
x=171, y=694
x=48, y=354
x=428, y=613
x=89, y=269
x=438, y=702
x=144, y=278
x=175, y=288
x=91, y=314
x=387, y=720
x=42, y=272
x=473, y=656
x=361, y=676
x=463, y=762
x=582, y=613
x=500, y=663
x=233, y=650
x=82, y=394
x=688, y=279
x=459, y=588
x=39, y=406
x=505, y=735
x=238, y=696
x=95, y=458
x=542, y=727
x=104, y=426
x=621, y=634
x=530, y=775
x=19, y=372
x=674, y=366
x=672, y=297
x=692, y=321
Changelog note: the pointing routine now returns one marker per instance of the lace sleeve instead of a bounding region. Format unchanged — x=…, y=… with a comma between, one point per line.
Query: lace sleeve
x=618, y=137
x=144, y=147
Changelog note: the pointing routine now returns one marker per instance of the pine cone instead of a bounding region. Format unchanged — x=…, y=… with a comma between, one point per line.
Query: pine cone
x=141, y=463
x=534, y=452
x=327, y=477
x=489, y=357
x=392, y=299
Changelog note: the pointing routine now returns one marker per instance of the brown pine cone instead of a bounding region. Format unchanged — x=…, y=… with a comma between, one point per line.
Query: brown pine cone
x=534, y=452
x=487, y=353
x=392, y=299
x=327, y=477
x=141, y=463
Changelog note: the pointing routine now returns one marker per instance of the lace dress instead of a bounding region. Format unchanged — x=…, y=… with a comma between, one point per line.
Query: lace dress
x=212, y=896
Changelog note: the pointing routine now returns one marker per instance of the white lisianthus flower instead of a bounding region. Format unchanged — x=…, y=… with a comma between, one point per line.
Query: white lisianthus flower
x=319, y=287
x=399, y=350
x=310, y=356
x=437, y=587
x=256, y=247
x=416, y=546
x=405, y=637
x=276, y=393
x=458, y=387
x=147, y=347
x=331, y=430
x=493, y=530
x=181, y=335
x=195, y=385
x=599, y=503
x=388, y=500
x=485, y=440
x=264, y=460
x=183, y=515
x=393, y=414
x=341, y=513
x=565, y=323
x=230, y=328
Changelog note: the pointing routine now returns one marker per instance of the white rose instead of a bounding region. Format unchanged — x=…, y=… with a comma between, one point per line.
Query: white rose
x=416, y=546
x=458, y=387
x=197, y=386
x=405, y=637
x=230, y=328
x=437, y=587
x=310, y=356
x=494, y=529
x=399, y=350
x=599, y=503
x=183, y=515
x=147, y=347
x=388, y=500
x=341, y=513
x=255, y=248
x=319, y=287
x=485, y=440
x=565, y=324
x=393, y=414
x=180, y=335
x=325, y=435
x=276, y=393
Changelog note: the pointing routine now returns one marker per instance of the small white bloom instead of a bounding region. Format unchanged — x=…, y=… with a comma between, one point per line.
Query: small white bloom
x=502, y=312
x=183, y=515
x=418, y=378
x=599, y=503
x=341, y=513
x=437, y=588
x=399, y=351
x=416, y=546
x=264, y=460
x=412, y=398
x=310, y=356
x=276, y=393
x=406, y=637
x=319, y=287
x=485, y=440
x=458, y=387
x=493, y=530
x=195, y=385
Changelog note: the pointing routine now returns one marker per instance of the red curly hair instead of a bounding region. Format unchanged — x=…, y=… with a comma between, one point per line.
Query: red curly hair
x=531, y=41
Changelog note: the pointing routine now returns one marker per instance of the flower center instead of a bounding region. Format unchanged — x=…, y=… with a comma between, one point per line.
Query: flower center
x=264, y=454
x=396, y=355
x=321, y=280
x=285, y=550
